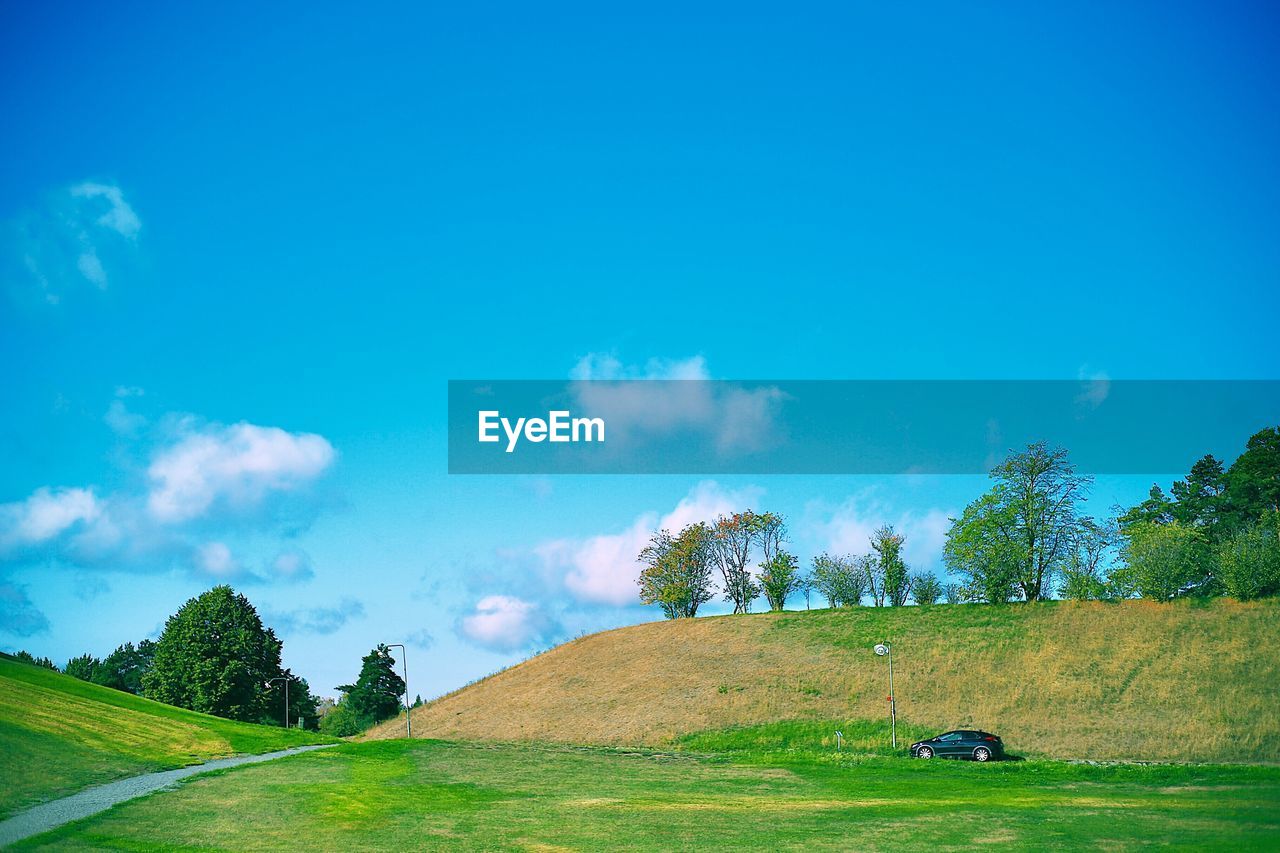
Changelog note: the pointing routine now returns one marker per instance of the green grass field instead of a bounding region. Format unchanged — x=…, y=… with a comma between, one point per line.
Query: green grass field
x=440, y=795
x=59, y=734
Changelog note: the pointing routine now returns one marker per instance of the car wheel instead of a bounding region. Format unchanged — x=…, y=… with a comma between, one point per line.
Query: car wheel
x=925, y=752
x=982, y=754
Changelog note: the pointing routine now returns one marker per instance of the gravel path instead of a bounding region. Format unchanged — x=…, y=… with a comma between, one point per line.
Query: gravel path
x=51, y=815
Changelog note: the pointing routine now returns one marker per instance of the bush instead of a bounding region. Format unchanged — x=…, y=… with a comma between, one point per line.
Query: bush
x=343, y=722
x=1080, y=584
x=925, y=588
x=1163, y=561
x=1249, y=562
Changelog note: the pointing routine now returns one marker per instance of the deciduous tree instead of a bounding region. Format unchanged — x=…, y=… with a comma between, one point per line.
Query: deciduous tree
x=677, y=572
x=216, y=657
x=1249, y=560
x=1162, y=561
x=925, y=588
x=779, y=577
x=1023, y=530
x=892, y=570
x=733, y=537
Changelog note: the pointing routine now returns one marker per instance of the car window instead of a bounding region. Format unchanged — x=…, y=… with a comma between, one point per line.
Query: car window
x=950, y=736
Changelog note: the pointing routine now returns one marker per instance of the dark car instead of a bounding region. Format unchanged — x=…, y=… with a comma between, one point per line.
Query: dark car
x=961, y=743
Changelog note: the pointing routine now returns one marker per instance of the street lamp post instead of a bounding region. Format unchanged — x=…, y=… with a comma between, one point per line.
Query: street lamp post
x=883, y=649
x=285, y=679
x=404, y=658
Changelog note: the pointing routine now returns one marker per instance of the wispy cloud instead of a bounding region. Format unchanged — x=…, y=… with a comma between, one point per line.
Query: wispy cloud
x=681, y=398
x=18, y=616
x=847, y=527
x=314, y=620
x=74, y=236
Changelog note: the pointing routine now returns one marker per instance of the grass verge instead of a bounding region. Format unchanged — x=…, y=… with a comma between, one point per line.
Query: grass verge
x=470, y=796
x=59, y=734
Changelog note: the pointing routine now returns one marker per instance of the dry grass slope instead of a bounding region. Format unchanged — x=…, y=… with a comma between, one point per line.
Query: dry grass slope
x=1188, y=681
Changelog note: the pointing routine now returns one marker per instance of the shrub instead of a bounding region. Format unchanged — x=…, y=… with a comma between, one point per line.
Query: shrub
x=1249, y=561
x=1162, y=561
x=925, y=588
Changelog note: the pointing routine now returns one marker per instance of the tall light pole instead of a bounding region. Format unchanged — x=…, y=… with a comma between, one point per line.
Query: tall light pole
x=285, y=679
x=883, y=649
x=404, y=657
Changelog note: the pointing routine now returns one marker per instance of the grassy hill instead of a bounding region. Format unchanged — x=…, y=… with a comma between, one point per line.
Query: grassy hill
x=1187, y=681
x=59, y=734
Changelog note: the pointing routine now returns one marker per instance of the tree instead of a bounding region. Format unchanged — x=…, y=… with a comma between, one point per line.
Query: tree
x=1199, y=499
x=925, y=588
x=1253, y=480
x=1162, y=561
x=732, y=538
x=302, y=705
x=1249, y=561
x=891, y=570
x=871, y=570
x=779, y=577
x=341, y=721
x=123, y=669
x=982, y=547
x=805, y=586
x=417, y=701
x=1023, y=529
x=955, y=593
x=1084, y=577
x=376, y=694
x=82, y=667
x=838, y=580
x=26, y=657
x=1156, y=509
x=216, y=657
x=677, y=572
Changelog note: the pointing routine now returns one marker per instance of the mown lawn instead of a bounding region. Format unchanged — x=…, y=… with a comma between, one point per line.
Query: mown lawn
x=59, y=735
x=442, y=795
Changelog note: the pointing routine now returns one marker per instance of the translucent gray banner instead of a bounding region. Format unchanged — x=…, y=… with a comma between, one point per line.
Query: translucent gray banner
x=845, y=427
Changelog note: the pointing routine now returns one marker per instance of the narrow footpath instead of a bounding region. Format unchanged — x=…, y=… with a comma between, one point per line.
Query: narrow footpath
x=90, y=801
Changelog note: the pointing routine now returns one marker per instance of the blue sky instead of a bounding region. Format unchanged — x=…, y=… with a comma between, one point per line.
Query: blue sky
x=244, y=248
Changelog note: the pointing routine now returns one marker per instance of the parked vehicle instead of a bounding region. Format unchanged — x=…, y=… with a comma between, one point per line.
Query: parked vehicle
x=961, y=743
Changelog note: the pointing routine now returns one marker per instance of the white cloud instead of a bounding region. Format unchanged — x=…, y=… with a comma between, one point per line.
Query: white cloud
x=603, y=569
x=119, y=216
x=738, y=419
x=238, y=464
x=90, y=267
x=503, y=623
x=75, y=235
x=598, y=365
x=847, y=529
x=46, y=514
x=292, y=564
x=215, y=558
x=1095, y=387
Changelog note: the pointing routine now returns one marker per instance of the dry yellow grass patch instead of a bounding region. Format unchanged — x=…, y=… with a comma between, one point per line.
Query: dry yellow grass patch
x=1134, y=680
